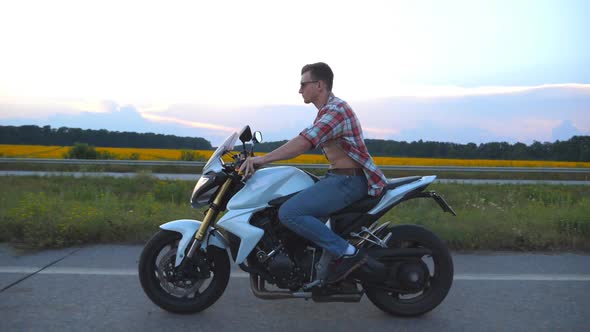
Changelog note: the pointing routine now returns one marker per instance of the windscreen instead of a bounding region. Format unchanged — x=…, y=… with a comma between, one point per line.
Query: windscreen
x=215, y=159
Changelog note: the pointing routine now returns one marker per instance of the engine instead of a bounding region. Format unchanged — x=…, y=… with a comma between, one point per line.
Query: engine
x=287, y=258
x=287, y=270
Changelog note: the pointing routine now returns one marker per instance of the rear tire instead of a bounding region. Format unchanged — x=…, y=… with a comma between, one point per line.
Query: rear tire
x=172, y=292
x=440, y=280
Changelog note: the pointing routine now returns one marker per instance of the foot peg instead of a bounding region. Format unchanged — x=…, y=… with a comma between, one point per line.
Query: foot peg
x=315, y=283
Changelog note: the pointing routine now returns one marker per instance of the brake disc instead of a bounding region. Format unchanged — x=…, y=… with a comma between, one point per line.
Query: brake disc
x=180, y=287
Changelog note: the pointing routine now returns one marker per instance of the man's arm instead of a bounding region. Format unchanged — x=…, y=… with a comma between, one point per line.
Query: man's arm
x=289, y=150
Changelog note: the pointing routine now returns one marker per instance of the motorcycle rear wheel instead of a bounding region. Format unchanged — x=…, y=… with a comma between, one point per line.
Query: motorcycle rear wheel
x=441, y=275
x=177, y=293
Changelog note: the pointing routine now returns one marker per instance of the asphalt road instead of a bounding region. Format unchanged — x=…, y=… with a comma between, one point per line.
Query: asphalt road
x=96, y=288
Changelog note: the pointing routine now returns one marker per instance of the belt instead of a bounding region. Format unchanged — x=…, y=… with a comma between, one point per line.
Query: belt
x=347, y=171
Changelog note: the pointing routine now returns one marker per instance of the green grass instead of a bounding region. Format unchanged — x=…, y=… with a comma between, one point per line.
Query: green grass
x=42, y=212
x=45, y=212
x=504, y=217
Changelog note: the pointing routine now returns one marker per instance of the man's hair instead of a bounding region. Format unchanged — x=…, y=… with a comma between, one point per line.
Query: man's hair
x=321, y=72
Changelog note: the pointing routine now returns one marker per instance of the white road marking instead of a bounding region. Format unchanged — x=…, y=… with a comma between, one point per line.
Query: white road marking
x=524, y=277
x=239, y=274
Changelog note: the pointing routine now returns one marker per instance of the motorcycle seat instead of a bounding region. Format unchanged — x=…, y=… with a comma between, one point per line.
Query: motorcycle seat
x=397, y=182
x=364, y=204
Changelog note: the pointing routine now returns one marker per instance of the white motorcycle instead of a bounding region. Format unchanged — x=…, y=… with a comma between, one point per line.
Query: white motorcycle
x=185, y=267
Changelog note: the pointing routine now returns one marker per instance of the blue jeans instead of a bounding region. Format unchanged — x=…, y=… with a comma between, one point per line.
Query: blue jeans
x=332, y=193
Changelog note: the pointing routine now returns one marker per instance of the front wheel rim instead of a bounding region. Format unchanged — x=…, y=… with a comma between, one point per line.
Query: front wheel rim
x=167, y=279
x=183, y=288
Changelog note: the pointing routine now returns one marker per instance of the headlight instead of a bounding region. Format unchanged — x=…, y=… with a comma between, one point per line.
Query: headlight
x=203, y=180
x=204, y=188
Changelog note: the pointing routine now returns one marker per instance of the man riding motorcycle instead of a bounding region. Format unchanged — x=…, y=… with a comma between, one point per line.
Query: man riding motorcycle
x=352, y=174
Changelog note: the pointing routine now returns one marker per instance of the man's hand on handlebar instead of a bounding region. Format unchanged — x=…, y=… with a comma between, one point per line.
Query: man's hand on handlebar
x=249, y=166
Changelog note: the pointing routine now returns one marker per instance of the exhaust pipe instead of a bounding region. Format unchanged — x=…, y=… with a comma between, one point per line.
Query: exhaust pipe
x=257, y=285
x=338, y=298
x=259, y=290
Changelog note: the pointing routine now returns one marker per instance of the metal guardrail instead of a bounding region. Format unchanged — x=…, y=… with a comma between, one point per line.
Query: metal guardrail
x=304, y=166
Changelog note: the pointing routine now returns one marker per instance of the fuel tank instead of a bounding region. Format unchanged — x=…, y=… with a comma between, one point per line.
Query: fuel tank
x=267, y=184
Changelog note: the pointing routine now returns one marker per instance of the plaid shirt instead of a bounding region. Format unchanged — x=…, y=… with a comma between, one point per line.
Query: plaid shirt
x=337, y=121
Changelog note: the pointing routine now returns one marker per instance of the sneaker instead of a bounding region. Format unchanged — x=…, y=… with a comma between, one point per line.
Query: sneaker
x=343, y=266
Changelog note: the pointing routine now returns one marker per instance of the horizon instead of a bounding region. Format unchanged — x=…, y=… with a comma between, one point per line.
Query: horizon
x=213, y=146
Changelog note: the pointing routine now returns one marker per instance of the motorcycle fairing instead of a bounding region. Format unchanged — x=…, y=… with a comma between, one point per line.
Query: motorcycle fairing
x=264, y=186
x=268, y=184
x=187, y=228
x=237, y=222
x=394, y=195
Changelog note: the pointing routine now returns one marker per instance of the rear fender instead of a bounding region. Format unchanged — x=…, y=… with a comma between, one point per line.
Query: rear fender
x=409, y=191
x=438, y=199
x=187, y=228
x=394, y=196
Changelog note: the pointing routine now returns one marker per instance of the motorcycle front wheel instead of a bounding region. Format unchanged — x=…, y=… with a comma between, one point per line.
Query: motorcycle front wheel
x=174, y=290
x=436, y=282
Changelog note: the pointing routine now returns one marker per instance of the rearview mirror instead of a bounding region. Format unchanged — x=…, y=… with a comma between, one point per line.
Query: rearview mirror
x=246, y=134
x=257, y=137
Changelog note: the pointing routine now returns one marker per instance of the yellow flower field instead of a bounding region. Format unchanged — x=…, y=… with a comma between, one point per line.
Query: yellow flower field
x=153, y=154
x=56, y=152
x=32, y=151
x=41, y=151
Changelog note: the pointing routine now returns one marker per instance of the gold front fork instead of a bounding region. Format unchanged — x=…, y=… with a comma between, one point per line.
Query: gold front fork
x=209, y=217
x=211, y=213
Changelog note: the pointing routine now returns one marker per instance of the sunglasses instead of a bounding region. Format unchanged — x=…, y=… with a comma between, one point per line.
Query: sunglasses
x=304, y=83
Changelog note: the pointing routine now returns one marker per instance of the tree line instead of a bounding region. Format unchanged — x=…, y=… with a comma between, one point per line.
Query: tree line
x=64, y=136
x=576, y=148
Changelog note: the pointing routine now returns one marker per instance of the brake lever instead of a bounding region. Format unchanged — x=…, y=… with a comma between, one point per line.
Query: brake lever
x=238, y=164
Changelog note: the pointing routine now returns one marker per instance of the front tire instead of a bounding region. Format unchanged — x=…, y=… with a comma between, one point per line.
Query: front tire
x=178, y=292
x=440, y=265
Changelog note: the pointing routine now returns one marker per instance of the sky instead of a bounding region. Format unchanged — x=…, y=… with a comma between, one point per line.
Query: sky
x=461, y=71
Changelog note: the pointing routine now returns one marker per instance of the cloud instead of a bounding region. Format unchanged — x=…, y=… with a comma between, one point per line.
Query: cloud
x=456, y=91
x=194, y=124
x=565, y=131
x=380, y=133
x=122, y=118
x=543, y=113
x=526, y=115
x=277, y=122
x=435, y=132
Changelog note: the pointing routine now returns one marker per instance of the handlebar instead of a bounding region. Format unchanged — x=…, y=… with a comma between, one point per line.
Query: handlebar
x=243, y=155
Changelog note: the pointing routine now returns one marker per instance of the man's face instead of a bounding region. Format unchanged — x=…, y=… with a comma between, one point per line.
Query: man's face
x=309, y=88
